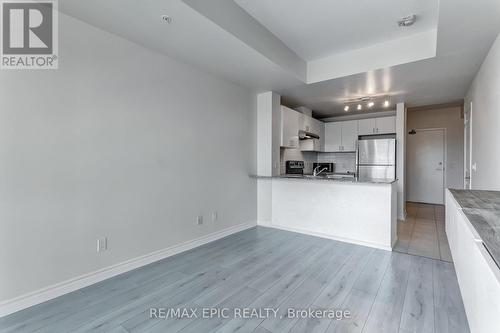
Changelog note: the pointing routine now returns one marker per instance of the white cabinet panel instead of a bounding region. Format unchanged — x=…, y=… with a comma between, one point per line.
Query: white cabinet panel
x=385, y=125
x=349, y=135
x=341, y=136
x=478, y=275
x=487, y=293
x=309, y=124
x=289, y=128
x=451, y=220
x=366, y=126
x=333, y=137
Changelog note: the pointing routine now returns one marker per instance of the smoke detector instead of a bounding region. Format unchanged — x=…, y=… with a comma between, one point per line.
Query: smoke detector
x=407, y=20
x=167, y=19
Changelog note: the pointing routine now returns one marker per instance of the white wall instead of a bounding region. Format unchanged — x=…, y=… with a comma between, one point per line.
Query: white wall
x=485, y=97
x=119, y=142
x=268, y=114
x=450, y=118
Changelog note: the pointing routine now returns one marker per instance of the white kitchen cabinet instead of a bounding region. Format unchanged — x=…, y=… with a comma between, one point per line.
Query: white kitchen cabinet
x=349, y=135
x=289, y=128
x=452, y=209
x=310, y=124
x=341, y=136
x=333, y=137
x=366, y=126
x=383, y=125
x=314, y=126
x=478, y=275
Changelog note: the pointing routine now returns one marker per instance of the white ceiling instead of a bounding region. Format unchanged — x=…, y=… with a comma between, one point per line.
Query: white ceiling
x=220, y=37
x=317, y=28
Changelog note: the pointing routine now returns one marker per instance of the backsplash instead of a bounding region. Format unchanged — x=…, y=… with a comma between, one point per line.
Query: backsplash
x=291, y=154
x=343, y=161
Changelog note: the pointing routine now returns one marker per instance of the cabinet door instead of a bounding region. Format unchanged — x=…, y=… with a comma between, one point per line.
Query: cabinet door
x=349, y=135
x=333, y=137
x=289, y=128
x=366, y=126
x=385, y=125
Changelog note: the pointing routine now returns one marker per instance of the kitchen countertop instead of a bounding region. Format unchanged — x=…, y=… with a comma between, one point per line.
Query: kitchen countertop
x=327, y=179
x=482, y=209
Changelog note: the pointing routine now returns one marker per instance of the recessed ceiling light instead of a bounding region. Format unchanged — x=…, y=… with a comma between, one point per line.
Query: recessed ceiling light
x=346, y=108
x=407, y=20
x=370, y=104
x=386, y=103
x=360, y=107
x=166, y=19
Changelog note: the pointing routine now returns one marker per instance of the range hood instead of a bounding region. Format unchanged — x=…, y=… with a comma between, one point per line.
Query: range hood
x=304, y=135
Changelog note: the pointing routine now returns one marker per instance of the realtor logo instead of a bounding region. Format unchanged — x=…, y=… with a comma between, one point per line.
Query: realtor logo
x=29, y=34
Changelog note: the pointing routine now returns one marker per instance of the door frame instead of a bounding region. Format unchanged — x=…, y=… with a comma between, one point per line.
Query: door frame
x=445, y=152
x=468, y=153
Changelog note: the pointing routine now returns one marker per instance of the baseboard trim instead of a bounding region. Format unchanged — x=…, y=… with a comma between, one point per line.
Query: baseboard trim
x=263, y=223
x=340, y=239
x=42, y=295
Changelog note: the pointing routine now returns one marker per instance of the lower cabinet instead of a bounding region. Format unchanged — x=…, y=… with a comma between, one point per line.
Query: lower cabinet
x=478, y=276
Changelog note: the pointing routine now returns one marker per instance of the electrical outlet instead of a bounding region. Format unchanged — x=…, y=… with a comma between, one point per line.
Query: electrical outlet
x=102, y=244
x=199, y=220
x=214, y=216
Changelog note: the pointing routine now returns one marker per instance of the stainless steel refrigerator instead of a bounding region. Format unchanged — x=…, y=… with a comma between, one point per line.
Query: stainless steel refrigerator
x=377, y=157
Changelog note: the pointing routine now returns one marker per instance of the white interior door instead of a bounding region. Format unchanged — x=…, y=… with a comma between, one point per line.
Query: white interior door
x=425, y=166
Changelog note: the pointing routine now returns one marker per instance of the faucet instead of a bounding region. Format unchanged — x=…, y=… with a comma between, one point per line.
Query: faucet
x=315, y=171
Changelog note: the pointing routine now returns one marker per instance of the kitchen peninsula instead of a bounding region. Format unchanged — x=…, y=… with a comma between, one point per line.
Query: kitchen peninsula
x=354, y=211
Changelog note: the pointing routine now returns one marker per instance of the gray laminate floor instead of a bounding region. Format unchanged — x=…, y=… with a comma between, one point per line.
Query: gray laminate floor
x=423, y=232
x=264, y=268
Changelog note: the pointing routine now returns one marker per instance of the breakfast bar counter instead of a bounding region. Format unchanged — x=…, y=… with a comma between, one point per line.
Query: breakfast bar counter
x=359, y=212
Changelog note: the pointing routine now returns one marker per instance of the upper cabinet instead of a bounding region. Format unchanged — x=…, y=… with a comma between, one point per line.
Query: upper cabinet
x=289, y=128
x=310, y=124
x=333, y=137
x=349, y=135
x=366, y=126
x=291, y=122
x=341, y=136
x=384, y=125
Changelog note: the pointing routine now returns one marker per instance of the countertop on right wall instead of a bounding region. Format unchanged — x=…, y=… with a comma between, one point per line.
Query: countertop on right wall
x=482, y=209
